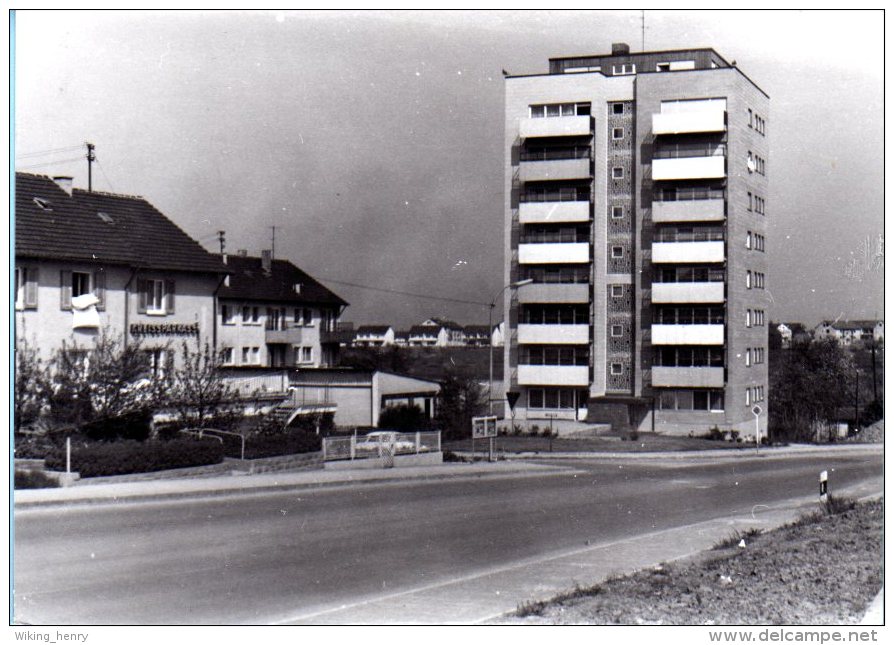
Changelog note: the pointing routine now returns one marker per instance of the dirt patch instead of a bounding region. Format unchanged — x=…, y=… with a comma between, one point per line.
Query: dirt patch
x=823, y=569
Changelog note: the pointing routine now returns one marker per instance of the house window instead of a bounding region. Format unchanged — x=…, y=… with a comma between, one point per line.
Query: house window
x=617, y=172
x=617, y=291
x=26, y=288
x=617, y=133
x=255, y=355
x=43, y=204
x=748, y=240
x=623, y=70
x=80, y=283
x=251, y=315
x=617, y=212
x=304, y=316
x=748, y=317
x=246, y=354
x=750, y=118
x=158, y=362
x=227, y=316
x=748, y=357
x=663, y=67
x=617, y=251
x=617, y=368
x=304, y=354
x=617, y=331
x=155, y=296
x=20, y=288
x=559, y=109
x=227, y=356
x=748, y=279
x=617, y=108
x=750, y=201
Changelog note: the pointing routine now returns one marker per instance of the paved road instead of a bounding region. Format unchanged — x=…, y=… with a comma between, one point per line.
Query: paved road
x=293, y=556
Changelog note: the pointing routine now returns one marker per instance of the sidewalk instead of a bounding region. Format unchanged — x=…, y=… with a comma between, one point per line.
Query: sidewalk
x=269, y=482
x=741, y=453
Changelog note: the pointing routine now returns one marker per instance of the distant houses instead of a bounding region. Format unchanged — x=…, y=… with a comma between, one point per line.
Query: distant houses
x=433, y=332
x=847, y=333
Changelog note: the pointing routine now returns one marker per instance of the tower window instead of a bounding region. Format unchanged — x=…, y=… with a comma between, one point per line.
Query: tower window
x=617, y=291
x=617, y=368
x=617, y=331
x=617, y=212
x=617, y=133
x=617, y=251
x=618, y=172
x=617, y=108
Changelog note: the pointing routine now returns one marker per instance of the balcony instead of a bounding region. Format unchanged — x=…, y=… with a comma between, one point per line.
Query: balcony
x=553, y=212
x=554, y=294
x=689, y=122
x=559, y=126
x=570, y=375
x=329, y=337
x=687, y=292
x=687, y=252
x=553, y=334
x=689, y=210
x=554, y=169
x=291, y=336
x=687, y=376
x=689, y=161
x=687, y=334
x=574, y=253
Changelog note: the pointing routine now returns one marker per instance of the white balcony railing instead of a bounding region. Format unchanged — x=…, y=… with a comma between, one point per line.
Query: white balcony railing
x=686, y=122
x=554, y=293
x=571, y=375
x=687, y=292
x=553, y=212
x=553, y=334
x=687, y=335
x=687, y=376
x=559, y=126
x=691, y=210
x=687, y=252
x=554, y=169
x=707, y=167
x=560, y=253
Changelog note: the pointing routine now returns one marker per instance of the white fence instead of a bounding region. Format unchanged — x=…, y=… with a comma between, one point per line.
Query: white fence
x=380, y=444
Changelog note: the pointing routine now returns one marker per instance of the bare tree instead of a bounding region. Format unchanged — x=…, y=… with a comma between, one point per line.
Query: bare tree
x=198, y=391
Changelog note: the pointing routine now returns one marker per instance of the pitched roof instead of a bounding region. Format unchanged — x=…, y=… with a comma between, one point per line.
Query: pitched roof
x=844, y=325
x=430, y=331
x=373, y=329
x=249, y=281
x=479, y=330
x=101, y=227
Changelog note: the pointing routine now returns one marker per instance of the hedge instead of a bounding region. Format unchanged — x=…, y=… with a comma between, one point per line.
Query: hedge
x=274, y=445
x=126, y=457
x=33, y=479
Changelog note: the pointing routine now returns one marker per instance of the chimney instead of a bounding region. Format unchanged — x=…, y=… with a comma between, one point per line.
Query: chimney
x=242, y=253
x=266, y=260
x=65, y=183
x=620, y=49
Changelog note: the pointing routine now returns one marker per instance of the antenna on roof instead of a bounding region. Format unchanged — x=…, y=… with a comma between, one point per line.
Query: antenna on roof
x=273, y=242
x=91, y=157
x=222, y=238
x=642, y=18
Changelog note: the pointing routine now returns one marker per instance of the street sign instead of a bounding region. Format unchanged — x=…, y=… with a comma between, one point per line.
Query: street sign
x=756, y=410
x=512, y=397
x=483, y=427
x=824, y=486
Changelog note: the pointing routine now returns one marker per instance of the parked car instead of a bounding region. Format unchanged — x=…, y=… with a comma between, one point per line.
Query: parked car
x=388, y=440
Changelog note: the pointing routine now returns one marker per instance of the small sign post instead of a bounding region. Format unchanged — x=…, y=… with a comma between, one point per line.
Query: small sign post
x=756, y=411
x=484, y=428
x=68, y=454
x=824, y=486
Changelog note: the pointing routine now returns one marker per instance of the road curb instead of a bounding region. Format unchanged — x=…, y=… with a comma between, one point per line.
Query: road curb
x=729, y=453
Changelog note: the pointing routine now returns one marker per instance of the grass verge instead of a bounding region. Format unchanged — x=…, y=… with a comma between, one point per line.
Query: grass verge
x=822, y=569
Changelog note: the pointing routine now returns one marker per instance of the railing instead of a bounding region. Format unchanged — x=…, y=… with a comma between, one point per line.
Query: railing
x=272, y=383
x=688, y=194
x=571, y=195
x=558, y=277
x=704, y=235
x=549, y=154
x=684, y=150
x=550, y=237
x=386, y=444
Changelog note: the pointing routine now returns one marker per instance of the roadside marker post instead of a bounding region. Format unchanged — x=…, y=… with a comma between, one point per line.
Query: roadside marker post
x=756, y=411
x=68, y=454
x=824, y=486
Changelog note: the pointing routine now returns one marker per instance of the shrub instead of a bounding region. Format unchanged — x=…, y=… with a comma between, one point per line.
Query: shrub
x=126, y=457
x=714, y=434
x=273, y=445
x=33, y=479
x=325, y=421
x=30, y=446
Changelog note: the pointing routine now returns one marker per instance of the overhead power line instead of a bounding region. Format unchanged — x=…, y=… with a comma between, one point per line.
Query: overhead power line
x=42, y=153
x=50, y=163
x=406, y=293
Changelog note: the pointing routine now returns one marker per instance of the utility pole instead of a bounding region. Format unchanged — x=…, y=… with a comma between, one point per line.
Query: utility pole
x=642, y=17
x=273, y=243
x=222, y=238
x=91, y=157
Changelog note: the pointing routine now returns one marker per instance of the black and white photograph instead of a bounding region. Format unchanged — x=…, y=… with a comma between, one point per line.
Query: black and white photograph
x=489, y=318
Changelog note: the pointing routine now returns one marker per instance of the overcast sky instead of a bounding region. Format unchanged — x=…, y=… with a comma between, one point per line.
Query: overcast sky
x=373, y=141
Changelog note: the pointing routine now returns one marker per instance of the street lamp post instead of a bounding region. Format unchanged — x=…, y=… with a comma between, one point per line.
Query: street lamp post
x=490, y=330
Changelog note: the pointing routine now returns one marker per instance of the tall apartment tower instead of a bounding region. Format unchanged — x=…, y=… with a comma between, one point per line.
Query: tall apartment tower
x=636, y=200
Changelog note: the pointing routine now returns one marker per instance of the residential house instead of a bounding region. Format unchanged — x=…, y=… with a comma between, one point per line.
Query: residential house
x=91, y=263
x=274, y=314
x=477, y=335
x=374, y=336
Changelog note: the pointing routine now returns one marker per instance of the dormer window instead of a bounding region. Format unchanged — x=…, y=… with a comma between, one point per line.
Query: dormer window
x=623, y=70
x=297, y=288
x=43, y=204
x=105, y=217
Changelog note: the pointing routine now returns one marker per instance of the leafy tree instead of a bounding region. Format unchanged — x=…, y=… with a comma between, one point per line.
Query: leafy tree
x=198, y=392
x=32, y=386
x=808, y=385
x=461, y=398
